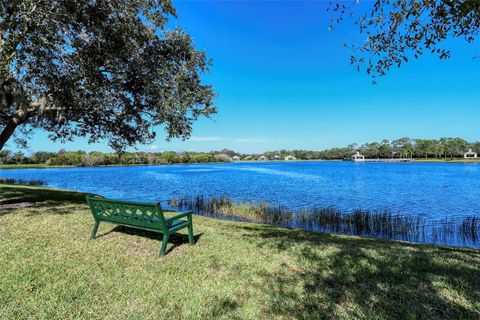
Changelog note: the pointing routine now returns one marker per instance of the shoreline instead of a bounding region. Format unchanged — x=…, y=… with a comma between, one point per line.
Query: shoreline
x=366, y=223
x=232, y=212
x=44, y=166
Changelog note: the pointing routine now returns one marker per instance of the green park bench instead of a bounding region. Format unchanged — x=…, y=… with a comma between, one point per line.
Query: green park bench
x=145, y=216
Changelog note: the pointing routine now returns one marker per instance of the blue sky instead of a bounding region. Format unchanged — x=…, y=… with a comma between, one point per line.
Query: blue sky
x=284, y=81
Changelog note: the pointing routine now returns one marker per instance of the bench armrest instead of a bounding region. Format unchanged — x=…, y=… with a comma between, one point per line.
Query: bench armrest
x=178, y=216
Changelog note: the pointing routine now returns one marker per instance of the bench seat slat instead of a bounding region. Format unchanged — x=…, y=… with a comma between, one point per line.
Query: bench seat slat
x=132, y=226
x=179, y=224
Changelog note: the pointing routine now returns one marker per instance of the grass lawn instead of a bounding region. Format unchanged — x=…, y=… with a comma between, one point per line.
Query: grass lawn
x=22, y=166
x=50, y=270
x=447, y=160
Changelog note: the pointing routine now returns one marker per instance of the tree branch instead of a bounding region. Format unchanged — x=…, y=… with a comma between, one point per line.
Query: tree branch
x=19, y=118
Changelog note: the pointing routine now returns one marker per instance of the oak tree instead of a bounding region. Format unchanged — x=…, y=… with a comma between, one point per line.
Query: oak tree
x=395, y=31
x=102, y=69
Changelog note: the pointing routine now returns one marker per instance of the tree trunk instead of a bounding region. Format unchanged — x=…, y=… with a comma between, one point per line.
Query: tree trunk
x=17, y=119
x=8, y=131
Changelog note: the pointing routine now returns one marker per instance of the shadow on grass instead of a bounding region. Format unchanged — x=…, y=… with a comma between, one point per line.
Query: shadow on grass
x=176, y=239
x=16, y=194
x=50, y=207
x=355, y=278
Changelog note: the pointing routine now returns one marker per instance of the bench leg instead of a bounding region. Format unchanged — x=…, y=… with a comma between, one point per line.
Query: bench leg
x=94, y=231
x=190, y=234
x=164, y=244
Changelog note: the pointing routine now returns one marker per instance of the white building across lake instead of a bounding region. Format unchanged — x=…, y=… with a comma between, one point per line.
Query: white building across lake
x=236, y=158
x=357, y=157
x=290, y=158
x=470, y=154
x=262, y=158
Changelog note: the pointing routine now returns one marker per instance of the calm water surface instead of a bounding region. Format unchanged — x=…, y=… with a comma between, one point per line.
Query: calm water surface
x=430, y=190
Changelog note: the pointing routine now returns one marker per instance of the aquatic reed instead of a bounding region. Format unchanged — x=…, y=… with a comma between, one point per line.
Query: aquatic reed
x=372, y=223
x=22, y=182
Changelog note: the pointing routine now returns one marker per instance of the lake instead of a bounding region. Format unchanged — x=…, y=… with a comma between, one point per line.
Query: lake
x=430, y=190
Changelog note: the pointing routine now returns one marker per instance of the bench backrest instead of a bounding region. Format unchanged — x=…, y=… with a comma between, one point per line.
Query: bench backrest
x=144, y=215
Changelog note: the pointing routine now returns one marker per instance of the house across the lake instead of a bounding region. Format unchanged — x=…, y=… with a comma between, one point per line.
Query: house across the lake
x=262, y=158
x=470, y=154
x=357, y=157
x=236, y=158
x=277, y=157
x=290, y=158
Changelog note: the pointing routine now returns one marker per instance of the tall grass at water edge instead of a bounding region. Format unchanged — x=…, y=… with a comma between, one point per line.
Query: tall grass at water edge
x=459, y=231
x=13, y=181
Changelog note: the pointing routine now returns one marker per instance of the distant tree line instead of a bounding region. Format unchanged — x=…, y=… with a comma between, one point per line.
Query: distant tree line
x=97, y=158
x=401, y=148
x=385, y=149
